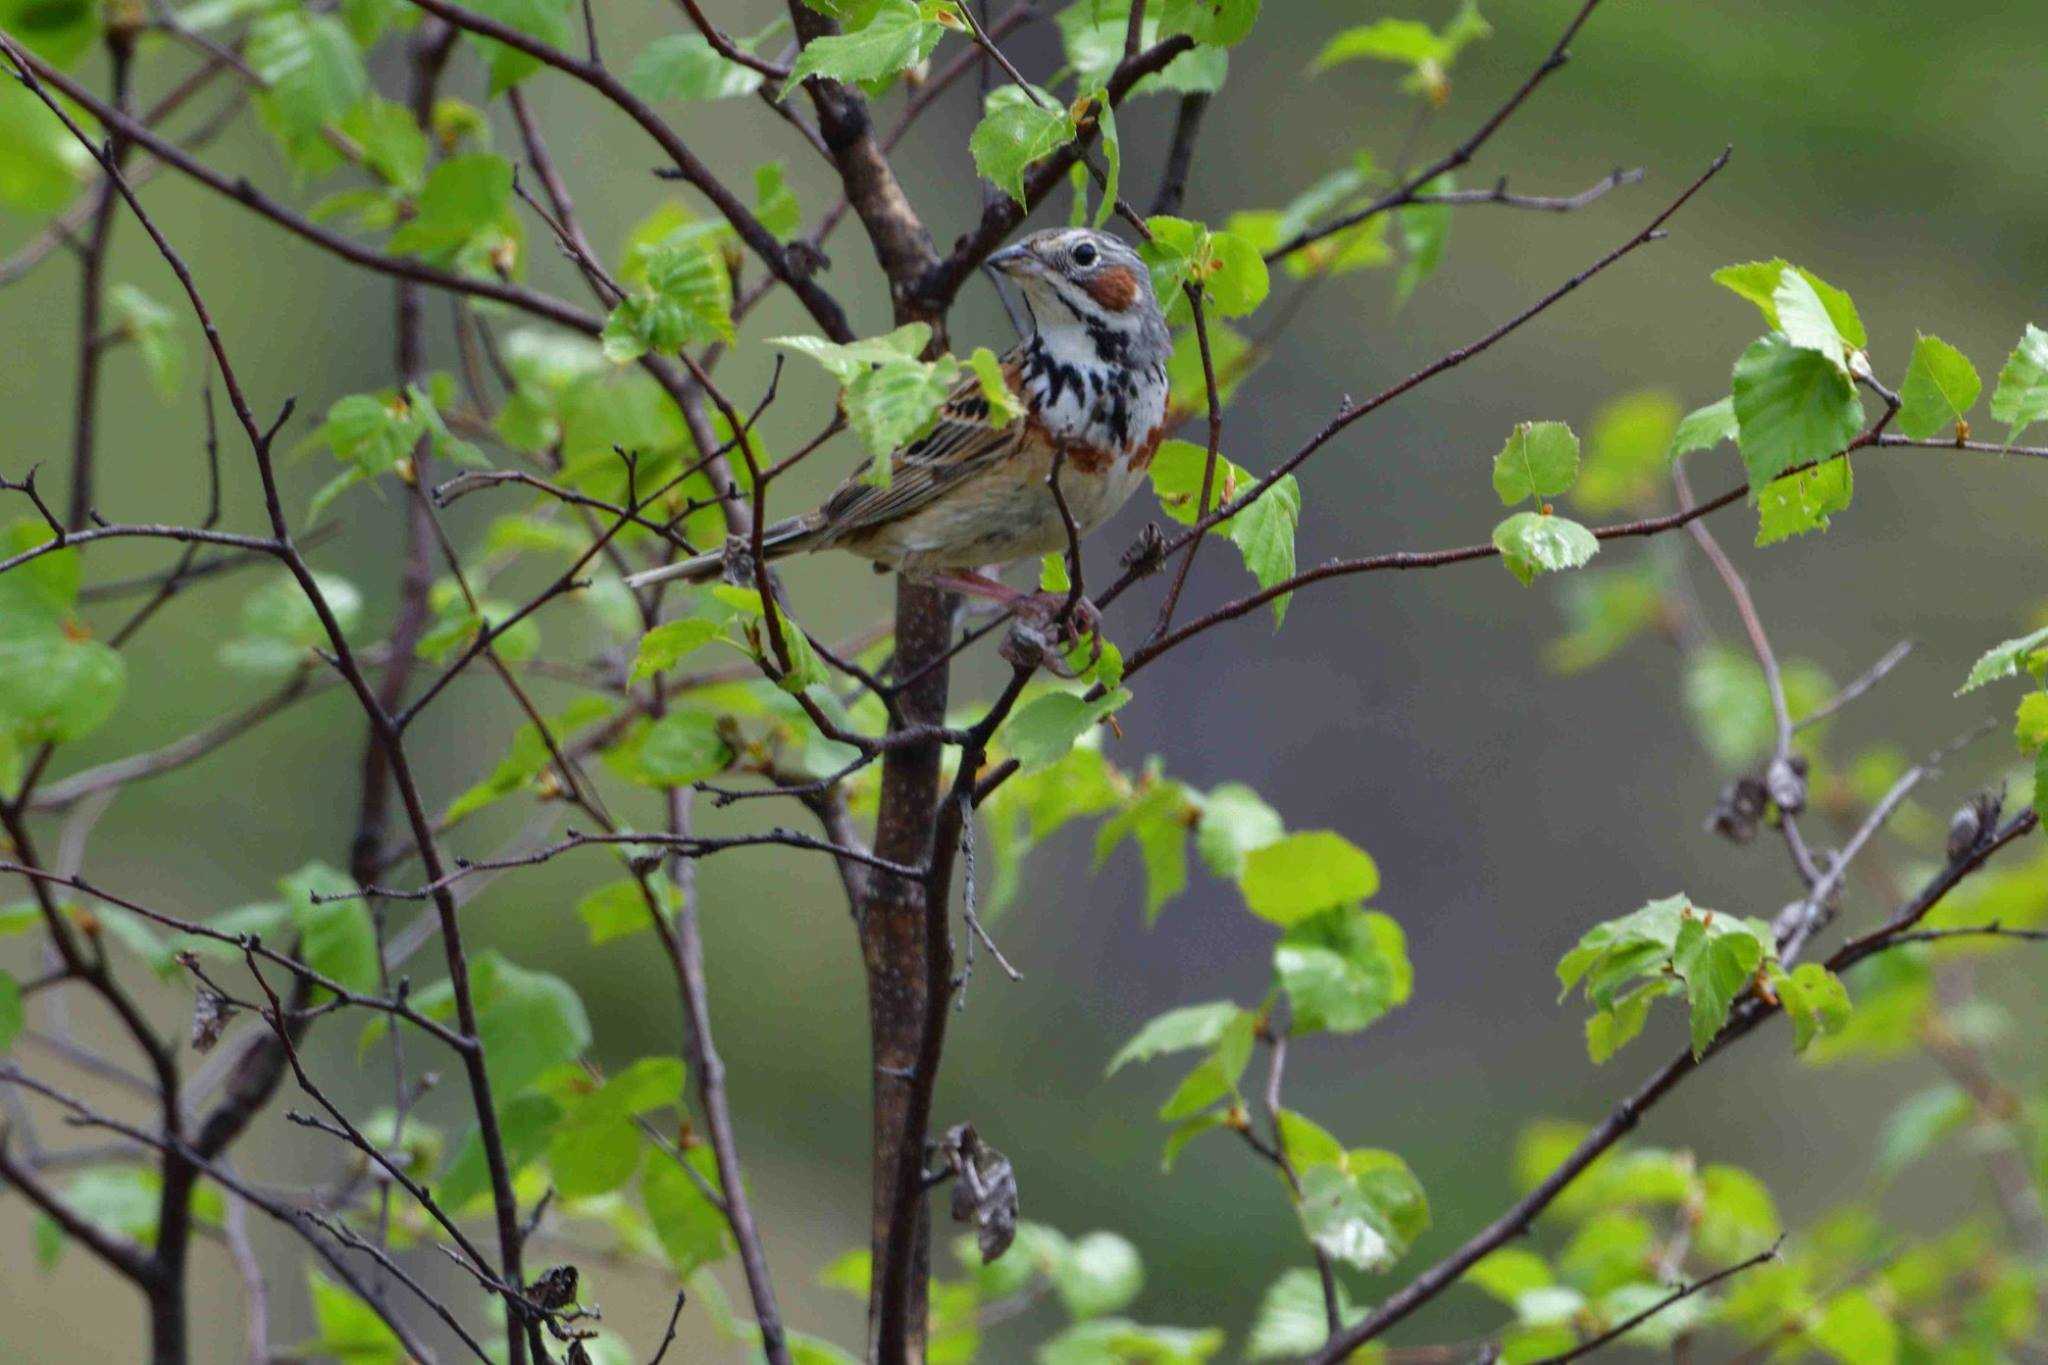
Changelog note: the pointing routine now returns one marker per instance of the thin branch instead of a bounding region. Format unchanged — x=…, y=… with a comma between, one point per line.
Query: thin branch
x=1676, y=1296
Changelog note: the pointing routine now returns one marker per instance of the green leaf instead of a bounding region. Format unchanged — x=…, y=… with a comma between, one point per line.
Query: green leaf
x=1215, y=1077
x=689, y=1227
x=1792, y=406
x=1914, y=1129
x=1855, y=1331
x=1186, y=1132
x=336, y=938
x=394, y=147
x=464, y=197
x=1235, y=820
x=311, y=70
x=1626, y=452
x=1806, y=322
x=524, y=1124
x=1816, y=1000
x=1157, y=822
x=2021, y=398
x=1343, y=969
x=348, y=1328
x=54, y=688
x=683, y=66
x=597, y=1148
x=1098, y=1274
x=280, y=627
x=42, y=166
x=1540, y=459
x=2005, y=660
x=1177, y=1030
x=12, y=1013
x=1043, y=730
x=1531, y=543
x=529, y=1022
x=1093, y=36
x=1004, y=406
x=1345, y=1221
x=684, y=746
x=775, y=203
x=1015, y=131
x=547, y=20
x=153, y=329
x=1426, y=53
x=1704, y=428
x=1425, y=232
x=1803, y=502
x=1222, y=22
x=898, y=37
x=1609, y=1030
x=665, y=646
x=2030, y=722
x=1940, y=388
x=619, y=909
x=1717, y=967
x=1116, y=1341
x=1292, y=1320
x=686, y=299
x=1738, y=1217
x=1264, y=535
x=1760, y=281
x=1509, y=1273
x=1302, y=874
x=60, y=31
x=1227, y=267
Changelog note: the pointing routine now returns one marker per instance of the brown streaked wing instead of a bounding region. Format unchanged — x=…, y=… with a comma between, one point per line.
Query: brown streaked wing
x=959, y=447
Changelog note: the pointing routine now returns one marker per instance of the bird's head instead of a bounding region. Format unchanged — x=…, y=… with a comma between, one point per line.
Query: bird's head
x=1081, y=278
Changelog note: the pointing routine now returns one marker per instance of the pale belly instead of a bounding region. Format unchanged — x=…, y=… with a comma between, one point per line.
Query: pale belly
x=1005, y=515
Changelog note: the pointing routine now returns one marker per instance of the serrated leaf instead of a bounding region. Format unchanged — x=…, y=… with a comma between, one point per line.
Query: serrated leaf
x=1540, y=459
x=686, y=299
x=1704, y=428
x=1940, y=388
x=2004, y=660
x=665, y=646
x=1531, y=543
x=1343, y=969
x=1015, y=131
x=1759, y=281
x=1044, y=730
x=1815, y=999
x=1177, y=1030
x=1803, y=502
x=310, y=69
x=465, y=196
x=2021, y=398
x=1792, y=406
x=1264, y=535
x=1805, y=320
x=897, y=37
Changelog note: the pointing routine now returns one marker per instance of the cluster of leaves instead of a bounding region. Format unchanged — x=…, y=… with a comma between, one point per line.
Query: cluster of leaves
x=1671, y=947
x=891, y=396
x=2025, y=655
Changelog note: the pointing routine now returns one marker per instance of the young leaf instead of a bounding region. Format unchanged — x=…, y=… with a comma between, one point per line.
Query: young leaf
x=310, y=69
x=42, y=165
x=899, y=36
x=2021, y=398
x=1235, y=820
x=1343, y=969
x=1940, y=388
x=1816, y=1000
x=686, y=300
x=1626, y=452
x=1704, y=428
x=1016, y=131
x=2005, y=660
x=683, y=66
x=547, y=20
x=1540, y=459
x=664, y=647
x=1302, y=874
x=1792, y=405
x=1043, y=730
x=1264, y=535
x=1803, y=502
x=1177, y=1030
x=464, y=198
x=1531, y=543
x=153, y=329
x=1292, y=1320
x=1099, y=1274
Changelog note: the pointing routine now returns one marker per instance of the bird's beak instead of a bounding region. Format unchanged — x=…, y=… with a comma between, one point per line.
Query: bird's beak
x=1013, y=260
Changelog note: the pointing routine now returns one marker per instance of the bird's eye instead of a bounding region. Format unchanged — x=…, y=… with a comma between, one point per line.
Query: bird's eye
x=1085, y=254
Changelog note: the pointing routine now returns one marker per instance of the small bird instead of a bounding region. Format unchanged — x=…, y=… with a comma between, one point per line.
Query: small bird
x=1092, y=381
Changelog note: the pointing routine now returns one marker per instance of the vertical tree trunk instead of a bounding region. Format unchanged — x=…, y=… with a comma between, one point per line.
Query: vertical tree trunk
x=894, y=947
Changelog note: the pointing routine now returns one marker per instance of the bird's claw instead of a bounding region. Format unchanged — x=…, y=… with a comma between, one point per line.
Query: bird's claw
x=1044, y=627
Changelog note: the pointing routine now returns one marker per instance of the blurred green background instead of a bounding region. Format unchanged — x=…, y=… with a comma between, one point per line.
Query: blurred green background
x=1896, y=148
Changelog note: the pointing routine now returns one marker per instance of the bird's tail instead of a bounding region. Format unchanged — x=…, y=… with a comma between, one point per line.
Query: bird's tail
x=783, y=538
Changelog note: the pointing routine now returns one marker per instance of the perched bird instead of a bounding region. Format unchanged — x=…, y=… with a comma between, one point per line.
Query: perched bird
x=1092, y=381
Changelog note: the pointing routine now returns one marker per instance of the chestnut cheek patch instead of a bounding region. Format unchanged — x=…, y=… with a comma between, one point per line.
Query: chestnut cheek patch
x=1114, y=289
